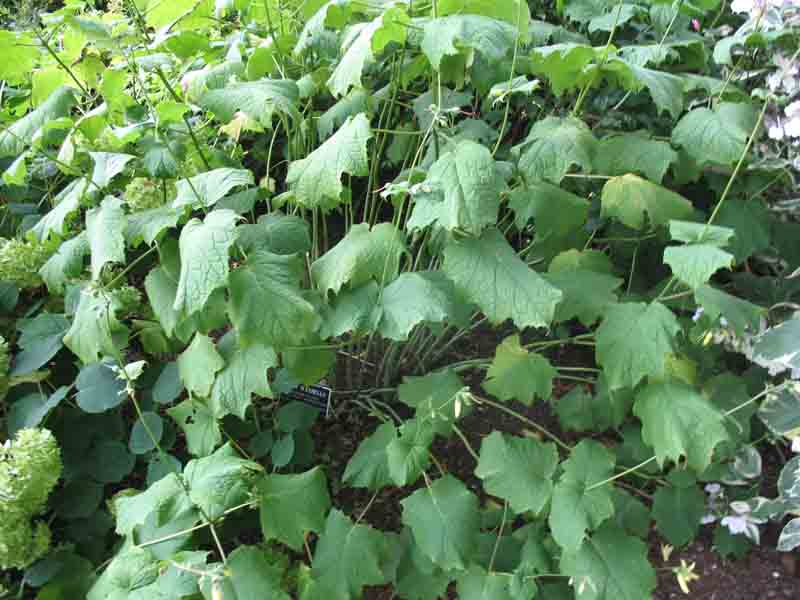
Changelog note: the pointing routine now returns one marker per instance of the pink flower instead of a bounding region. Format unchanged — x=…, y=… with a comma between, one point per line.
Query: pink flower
x=695, y=24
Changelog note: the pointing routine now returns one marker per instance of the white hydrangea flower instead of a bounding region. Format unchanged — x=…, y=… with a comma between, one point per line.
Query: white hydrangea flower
x=791, y=126
x=796, y=445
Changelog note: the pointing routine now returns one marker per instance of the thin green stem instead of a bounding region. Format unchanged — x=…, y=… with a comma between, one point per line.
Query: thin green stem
x=510, y=411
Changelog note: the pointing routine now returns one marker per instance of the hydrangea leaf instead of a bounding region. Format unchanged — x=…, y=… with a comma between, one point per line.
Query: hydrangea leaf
x=348, y=557
x=490, y=274
x=629, y=198
x=576, y=508
x=633, y=342
x=292, y=505
x=462, y=191
x=553, y=146
x=219, y=481
x=99, y=388
x=678, y=421
x=258, y=100
x=206, y=189
x=414, y=298
x=716, y=136
x=316, y=180
x=105, y=229
x=204, y=247
x=198, y=424
x=363, y=254
x=245, y=374
x=369, y=466
x=518, y=469
x=198, y=365
x=266, y=303
x=634, y=153
x=443, y=519
x=610, y=565
x=518, y=374
x=449, y=35
x=694, y=264
x=679, y=507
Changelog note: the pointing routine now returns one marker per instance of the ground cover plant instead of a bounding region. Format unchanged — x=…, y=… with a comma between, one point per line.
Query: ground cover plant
x=580, y=216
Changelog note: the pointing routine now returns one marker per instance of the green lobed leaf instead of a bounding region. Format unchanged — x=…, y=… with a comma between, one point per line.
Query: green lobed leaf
x=198, y=365
x=678, y=508
x=629, y=198
x=716, y=136
x=518, y=374
x=105, y=229
x=553, y=146
x=206, y=189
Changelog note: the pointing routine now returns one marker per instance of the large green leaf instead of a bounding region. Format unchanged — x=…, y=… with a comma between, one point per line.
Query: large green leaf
x=293, y=505
x=517, y=469
x=363, y=254
x=15, y=139
x=566, y=65
x=576, y=303
x=478, y=584
x=245, y=374
x=67, y=202
x=740, y=314
x=610, y=565
x=578, y=410
x=414, y=298
x=575, y=508
x=461, y=192
x=408, y=455
x=629, y=198
x=777, y=348
x=95, y=330
x=206, y=189
x=65, y=264
x=316, y=180
x=39, y=341
x=553, y=146
x=634, y=153
x=514, y=12
x=253, y=574
x=716, y=136
x=677, y=421
x=490, y=274
x=198, y=424
x=450, y=35
x=204, y=249
x=694, y=264
x=434, y=396
x=99, y=388
x=679, y=507
x=634, y=341
x=369, y=466
x=258, y=100
x=220, y=481
x=105, y=229
x=266, y=303
x=444, y=520
x=555, y=211
x=518, y=374
x=198, y=365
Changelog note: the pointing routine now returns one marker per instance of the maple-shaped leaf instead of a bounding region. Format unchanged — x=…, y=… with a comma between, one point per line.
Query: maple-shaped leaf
x=634, y=341
x=369, y=466
x=363, y=254
x=451, y=35
x=575, y=508
x=610, y=565
x=553, y=146
x=245, y=374
x=518, y=374
x=629, y=198
x=678, y=421
x=679, y=507
x=198, y=365
x=444, y=520
x=316, y=180
x=518, y=469
x=634, y=153
x=717, y=136
x=488, y=272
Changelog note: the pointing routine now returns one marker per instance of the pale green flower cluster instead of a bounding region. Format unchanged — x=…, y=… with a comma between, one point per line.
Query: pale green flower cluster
x=30, y=466
x=143, y=193
x=20, y=261
x=5, y=364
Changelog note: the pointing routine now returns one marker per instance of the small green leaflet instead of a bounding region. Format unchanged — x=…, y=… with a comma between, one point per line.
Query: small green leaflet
x=204, y=249
x=518, y=374
x=293, y=505
x=633, y=342
x=677, y=421
x=490, y=274
x=444, y=520
x=576, y=508
x=518, y=469
x=316, y=180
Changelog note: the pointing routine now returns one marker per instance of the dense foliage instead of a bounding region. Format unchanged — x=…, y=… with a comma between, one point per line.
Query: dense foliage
x=208, y=203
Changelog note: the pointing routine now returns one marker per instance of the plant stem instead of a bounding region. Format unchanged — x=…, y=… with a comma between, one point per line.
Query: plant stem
x=526, y=420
